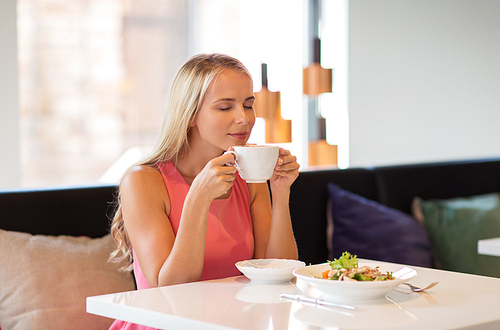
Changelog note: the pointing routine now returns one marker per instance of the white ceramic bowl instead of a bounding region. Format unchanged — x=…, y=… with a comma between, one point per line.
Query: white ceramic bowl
x=355, y=290
x=269, y=270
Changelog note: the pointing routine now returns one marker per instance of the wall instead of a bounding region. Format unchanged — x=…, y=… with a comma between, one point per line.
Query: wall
x=9, y=102
x=424, y=80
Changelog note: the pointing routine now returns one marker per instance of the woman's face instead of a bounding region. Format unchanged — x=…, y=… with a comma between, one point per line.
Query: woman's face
x=226, y=116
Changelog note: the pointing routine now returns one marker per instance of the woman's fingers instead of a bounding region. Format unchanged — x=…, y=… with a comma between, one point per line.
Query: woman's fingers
x=286, y=169
x=287, y=161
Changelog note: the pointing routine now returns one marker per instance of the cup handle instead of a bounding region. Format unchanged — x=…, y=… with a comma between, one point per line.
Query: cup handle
x=235, y=158
x=233, y=153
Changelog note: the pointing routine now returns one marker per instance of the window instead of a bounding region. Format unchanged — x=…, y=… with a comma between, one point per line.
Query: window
x=93, y=78
x=94, y=74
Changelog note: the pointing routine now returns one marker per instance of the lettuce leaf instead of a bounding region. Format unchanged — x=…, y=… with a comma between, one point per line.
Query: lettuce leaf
x=362, y=277
x=346, y=261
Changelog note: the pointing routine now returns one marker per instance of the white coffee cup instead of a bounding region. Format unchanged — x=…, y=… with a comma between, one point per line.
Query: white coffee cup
x=255, y=163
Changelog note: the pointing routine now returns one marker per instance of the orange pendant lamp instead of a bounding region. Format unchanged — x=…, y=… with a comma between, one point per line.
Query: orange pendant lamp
x=318, y=80
x=268, y=106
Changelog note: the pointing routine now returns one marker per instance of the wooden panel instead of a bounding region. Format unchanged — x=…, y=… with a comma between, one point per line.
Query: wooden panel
x=268, y=106
x=316, y=80
x=321, y=153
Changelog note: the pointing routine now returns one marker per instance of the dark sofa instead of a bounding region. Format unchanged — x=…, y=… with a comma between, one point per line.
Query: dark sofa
x=86, y=211
x=75, y=211
x=393, y=186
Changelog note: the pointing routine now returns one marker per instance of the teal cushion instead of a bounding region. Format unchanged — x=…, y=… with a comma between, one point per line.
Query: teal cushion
x=454, y=227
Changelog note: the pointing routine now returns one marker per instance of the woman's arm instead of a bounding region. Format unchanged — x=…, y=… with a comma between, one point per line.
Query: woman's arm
x=273, y=231
x=166, y=258
x=145, y=206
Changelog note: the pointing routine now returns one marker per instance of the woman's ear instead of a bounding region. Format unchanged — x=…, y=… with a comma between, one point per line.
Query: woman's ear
x=193, y=122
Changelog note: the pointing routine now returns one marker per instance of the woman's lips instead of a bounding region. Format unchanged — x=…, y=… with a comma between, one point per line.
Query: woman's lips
x=241, y=135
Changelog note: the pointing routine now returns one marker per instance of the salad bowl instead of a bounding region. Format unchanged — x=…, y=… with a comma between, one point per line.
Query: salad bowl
x=334, y=290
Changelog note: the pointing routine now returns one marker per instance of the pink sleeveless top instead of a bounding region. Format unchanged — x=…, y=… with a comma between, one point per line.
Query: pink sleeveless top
x=229, y=231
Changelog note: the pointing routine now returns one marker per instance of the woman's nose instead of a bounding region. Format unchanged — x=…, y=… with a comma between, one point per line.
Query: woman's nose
x=241, y=116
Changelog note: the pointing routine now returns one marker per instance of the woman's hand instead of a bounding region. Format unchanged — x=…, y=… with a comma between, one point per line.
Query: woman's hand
x=216, y=178
x=285, y=171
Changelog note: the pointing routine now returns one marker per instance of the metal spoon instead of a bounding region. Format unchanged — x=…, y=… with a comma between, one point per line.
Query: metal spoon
x=246, y=263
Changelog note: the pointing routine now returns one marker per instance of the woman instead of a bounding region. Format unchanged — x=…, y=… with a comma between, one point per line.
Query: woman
x=184, y=213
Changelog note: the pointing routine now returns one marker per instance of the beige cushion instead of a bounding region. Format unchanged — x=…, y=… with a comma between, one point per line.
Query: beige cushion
x=44, y=280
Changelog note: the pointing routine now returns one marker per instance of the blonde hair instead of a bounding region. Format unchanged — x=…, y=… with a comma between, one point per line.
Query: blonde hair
x=184, y=100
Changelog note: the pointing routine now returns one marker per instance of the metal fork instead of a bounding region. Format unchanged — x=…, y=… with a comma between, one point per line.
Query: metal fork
x=417, y=289
x=421, y=291
x=427, y=296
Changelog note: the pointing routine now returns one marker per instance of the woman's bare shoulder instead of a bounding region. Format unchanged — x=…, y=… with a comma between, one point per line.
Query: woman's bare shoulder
x=142, y=178
x=142, y=171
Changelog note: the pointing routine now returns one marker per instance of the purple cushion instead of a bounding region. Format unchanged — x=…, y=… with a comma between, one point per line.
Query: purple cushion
x=373, y=231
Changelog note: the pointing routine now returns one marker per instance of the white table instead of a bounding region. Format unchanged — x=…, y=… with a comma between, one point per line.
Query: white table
x=489, y=246
x=465, y=301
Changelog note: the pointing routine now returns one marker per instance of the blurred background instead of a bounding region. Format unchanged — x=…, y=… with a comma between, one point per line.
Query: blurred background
x=84, y=82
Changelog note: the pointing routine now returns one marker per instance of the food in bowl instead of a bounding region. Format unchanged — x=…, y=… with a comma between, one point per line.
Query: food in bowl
x=344, y=290
x=346, y=268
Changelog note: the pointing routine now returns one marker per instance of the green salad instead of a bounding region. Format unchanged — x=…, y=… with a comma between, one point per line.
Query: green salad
x=346, y=268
